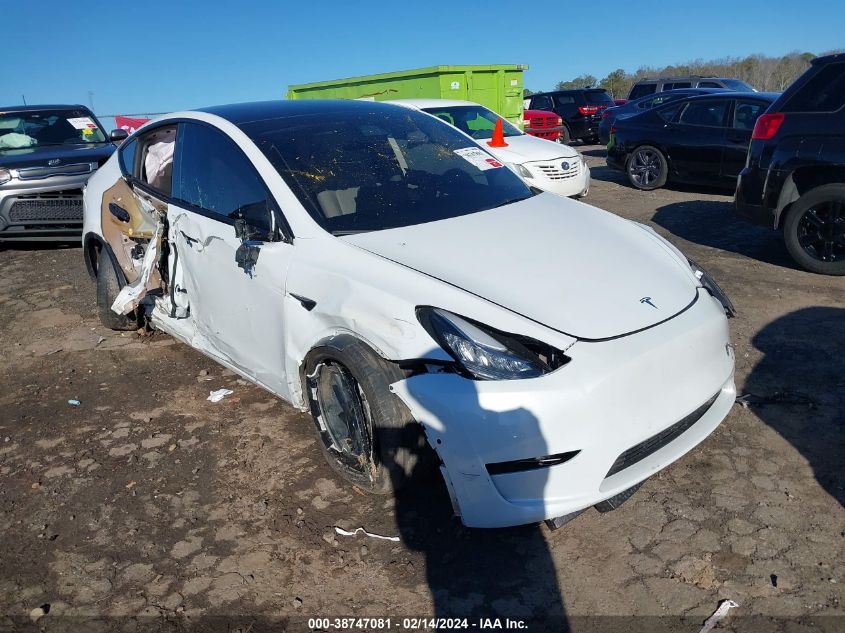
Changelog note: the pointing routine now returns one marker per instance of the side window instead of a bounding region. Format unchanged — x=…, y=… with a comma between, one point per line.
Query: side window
x=746, y=113
x=563, y=100
x=216, y=176
x=127, y=155
x=708, y=84
x=710, y=113
x=543, y=102
x=641, y=90
x=148, y=158
x=680, y=84
x=823, y=92
x=667, y=113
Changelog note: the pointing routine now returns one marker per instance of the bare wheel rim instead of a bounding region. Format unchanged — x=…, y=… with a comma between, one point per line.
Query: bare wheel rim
x=821, y=231
x=343, y=418
x=645, y=167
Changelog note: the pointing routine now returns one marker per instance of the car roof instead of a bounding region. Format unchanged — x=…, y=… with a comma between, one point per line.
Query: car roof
x=764, y=96
x=829, y=59
x=422, y=104
x=677, y=77
x=35, y=108
x=555, y=92
x=242, y=113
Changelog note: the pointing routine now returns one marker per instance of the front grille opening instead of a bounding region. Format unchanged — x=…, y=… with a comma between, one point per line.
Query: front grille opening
x=656, y=442
x=533, y=463
x=49, y=206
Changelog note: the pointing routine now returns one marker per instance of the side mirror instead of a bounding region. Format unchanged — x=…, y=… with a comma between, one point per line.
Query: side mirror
x=248, y=233
x=118, y=135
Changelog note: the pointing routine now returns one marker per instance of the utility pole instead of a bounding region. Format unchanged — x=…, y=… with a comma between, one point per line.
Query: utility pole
x=24, y=99
x=91, y=100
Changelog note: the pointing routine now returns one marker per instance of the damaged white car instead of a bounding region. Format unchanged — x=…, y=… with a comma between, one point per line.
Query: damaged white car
x=372, y=265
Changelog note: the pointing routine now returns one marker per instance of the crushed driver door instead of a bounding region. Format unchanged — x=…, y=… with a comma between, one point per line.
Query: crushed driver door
x=229, y=256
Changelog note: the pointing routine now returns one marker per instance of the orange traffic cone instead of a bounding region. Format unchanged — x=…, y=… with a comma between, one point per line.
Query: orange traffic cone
x=498, y=139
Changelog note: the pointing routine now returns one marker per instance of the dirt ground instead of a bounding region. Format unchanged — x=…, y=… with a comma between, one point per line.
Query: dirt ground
x=146, y=507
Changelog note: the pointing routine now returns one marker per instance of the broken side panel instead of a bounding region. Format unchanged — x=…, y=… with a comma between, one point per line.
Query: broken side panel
x=131, y=224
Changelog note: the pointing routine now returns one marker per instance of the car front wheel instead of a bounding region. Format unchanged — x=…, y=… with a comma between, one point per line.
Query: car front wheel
x=814, y=230
x=366, y=433
x=109, y=282
x=647, y=168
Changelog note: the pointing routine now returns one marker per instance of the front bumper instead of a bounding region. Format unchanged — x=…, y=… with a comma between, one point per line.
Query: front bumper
x=610, y=400
x=552, y=177
x=548, y=133
x=48, y=209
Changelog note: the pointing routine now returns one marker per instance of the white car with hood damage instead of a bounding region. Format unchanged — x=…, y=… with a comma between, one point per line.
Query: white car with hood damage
x=541, y=163
x=374, y=266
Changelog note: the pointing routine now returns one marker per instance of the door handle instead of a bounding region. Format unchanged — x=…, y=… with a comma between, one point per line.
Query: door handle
x=738, y=138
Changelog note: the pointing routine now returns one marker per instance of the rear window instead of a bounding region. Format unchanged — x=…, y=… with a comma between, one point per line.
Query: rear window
x=598, y=97
x=823, y=92
x=641, y=90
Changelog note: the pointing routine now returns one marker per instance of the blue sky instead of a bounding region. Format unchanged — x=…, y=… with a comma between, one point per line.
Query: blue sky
x=161, y=56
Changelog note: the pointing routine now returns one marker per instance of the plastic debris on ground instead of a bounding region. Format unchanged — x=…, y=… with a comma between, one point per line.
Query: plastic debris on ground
x=217, y=396
x=74, y=402
x=718, y=615
x=343, y=532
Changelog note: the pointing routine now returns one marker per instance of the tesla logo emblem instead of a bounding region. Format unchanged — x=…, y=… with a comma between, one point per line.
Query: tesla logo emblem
x=564, y=166
x=648, y=301
x=53, y=162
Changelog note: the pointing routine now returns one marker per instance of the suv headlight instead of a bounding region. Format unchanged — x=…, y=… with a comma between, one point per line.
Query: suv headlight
x=485, y=353
x=5, y=175
x=713, y=288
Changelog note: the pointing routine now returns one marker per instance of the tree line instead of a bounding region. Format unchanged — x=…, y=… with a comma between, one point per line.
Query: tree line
x=770, y=74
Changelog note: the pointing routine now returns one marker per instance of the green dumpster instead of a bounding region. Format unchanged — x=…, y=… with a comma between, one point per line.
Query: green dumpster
x=498, y=87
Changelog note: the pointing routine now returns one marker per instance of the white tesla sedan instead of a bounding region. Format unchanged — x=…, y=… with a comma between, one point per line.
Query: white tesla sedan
x=374, y=266
x=543, y=164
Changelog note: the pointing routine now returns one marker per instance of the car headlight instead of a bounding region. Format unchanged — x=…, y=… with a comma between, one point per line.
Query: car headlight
x=708, y=283
x=520, y=171
x=485, y=353
x=5, y=175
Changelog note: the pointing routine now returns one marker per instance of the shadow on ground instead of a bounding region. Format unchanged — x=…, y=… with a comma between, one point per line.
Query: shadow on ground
x=714, y=224
x=478, y=573
x=798, y=388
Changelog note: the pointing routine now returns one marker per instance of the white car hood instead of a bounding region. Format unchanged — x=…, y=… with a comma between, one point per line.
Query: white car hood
x=527, y=148
x=564, y=264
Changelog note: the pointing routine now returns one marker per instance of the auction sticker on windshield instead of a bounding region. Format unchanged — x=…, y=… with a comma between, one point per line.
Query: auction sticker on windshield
x=477, y=157
x=82, y=123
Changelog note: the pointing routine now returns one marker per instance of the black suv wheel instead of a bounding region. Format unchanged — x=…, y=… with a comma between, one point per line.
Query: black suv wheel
x=814, y=230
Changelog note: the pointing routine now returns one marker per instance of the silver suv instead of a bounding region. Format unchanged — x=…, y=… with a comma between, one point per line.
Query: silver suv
x=47, y=154
x=651, y=85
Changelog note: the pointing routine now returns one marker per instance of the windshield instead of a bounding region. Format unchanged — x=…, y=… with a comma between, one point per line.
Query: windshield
x=476, y=121
x=366, y=170
x=36, y=128
x=736, y=84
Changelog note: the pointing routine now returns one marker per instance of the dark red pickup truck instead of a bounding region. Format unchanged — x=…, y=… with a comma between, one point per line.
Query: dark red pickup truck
x=542, y=124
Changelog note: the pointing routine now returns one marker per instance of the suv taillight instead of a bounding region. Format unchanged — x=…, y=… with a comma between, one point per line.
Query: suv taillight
x=767, y=126
x=588, y=109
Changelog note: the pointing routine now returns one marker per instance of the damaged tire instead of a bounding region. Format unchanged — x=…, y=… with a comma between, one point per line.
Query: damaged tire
x=109, y=283
x=367, y=434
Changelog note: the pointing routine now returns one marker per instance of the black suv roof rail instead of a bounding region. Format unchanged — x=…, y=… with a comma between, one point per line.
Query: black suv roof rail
x=552, y=92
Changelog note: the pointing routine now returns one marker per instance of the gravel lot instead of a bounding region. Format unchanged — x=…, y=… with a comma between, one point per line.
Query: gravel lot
x=148, y=507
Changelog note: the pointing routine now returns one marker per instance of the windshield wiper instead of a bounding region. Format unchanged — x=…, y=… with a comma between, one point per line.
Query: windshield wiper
x=511, y=201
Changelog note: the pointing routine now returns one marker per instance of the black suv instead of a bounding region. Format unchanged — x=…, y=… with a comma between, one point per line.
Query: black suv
x=580, y=110
x=794, y=175
x=659, y=84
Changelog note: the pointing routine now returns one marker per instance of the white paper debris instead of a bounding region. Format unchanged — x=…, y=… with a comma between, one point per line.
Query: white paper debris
x=217, y=396
x=343, y=532
x=718, y=614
